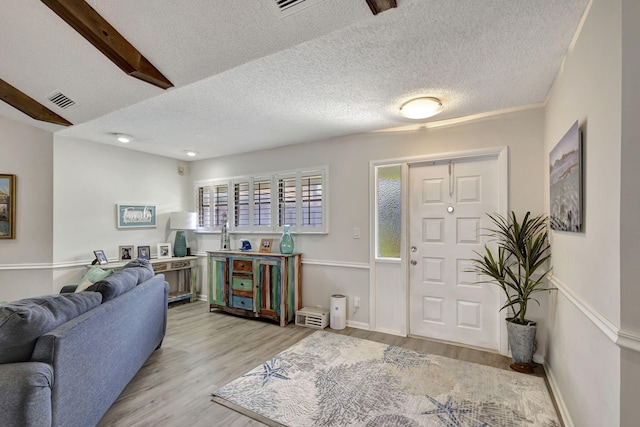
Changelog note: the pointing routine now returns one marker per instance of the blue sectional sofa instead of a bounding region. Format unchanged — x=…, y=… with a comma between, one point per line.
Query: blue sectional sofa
x=64, y=359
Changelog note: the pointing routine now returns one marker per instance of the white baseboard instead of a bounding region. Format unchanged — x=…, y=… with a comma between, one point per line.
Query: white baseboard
x=562, y=407
x=358, y=325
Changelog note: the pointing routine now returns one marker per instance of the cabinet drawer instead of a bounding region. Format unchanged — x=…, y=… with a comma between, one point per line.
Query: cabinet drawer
x=242, y=283
x=242, y=265
x=242, y=302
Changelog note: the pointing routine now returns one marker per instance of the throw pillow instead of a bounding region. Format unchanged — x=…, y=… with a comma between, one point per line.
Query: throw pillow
x=23, y=322
x=116, y=284
x=142, y=268
x=93, y=275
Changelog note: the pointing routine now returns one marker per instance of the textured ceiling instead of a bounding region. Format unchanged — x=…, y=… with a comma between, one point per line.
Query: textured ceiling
x=247, y=78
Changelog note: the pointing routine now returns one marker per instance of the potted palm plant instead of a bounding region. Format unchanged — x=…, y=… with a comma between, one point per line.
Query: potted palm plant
x=519, y=266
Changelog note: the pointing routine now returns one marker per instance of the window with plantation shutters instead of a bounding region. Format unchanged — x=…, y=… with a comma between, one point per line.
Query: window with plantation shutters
x=220, y=204
x=287, y=202
x=241, y=204
x=265, y=203
x=204, y=207
x=262, y=203
x=311, y=201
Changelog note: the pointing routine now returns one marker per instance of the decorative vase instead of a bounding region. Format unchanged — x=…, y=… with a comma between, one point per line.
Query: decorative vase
x=286, y=241
x=180, y=244
x=522, y=340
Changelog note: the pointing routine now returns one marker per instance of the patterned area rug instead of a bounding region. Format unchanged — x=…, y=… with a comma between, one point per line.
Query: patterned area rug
x=335, y=380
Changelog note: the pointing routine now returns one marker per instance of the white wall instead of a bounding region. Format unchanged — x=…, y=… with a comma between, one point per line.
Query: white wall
x=583, y=361
x=25, y=262
x=89, y=179
x=348, y=160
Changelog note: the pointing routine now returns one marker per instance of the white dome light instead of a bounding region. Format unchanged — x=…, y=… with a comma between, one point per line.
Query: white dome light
x=421, y=108
x=124, y=138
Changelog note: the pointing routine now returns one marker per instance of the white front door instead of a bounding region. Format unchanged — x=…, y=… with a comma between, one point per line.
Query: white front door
x=448, y=206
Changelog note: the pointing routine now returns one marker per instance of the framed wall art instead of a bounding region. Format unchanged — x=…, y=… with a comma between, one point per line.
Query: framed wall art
x=135, y=216
x=125, y=253
x=7, y=206
x=565, y=181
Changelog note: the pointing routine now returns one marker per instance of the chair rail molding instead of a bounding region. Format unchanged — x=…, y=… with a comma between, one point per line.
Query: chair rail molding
x=625, y=339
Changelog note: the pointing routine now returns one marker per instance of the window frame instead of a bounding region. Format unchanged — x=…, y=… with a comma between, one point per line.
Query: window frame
x=274, y=179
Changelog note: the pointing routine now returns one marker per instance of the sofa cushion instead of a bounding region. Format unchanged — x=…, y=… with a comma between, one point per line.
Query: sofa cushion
x=143, y=269
x=116, y=284
x=93, y=275
x=23, y=322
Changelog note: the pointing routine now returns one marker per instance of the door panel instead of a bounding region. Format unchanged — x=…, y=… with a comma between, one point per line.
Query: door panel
x=448, y=209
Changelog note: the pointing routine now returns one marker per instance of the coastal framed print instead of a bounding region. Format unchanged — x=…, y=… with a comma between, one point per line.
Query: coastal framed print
x=7, y=206
x=136, y=216
x=565, y=180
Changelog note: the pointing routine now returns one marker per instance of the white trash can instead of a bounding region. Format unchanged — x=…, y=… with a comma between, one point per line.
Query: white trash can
x=338, y=316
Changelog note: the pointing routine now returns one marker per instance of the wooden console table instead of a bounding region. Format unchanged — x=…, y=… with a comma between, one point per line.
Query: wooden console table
x=255, y=284
x=186, y=266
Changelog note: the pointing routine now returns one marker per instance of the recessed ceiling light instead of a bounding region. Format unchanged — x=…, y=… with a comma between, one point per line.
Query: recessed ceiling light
x=421, y=108
x=191, y=153
x=124, y=138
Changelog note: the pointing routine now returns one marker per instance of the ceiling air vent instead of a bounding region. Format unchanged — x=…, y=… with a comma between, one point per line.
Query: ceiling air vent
x=288, y=7
x=61, y=100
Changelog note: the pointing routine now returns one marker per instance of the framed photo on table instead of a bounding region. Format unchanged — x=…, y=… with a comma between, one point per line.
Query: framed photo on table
x=125, y=253
x=144, y=252
x=164, y=250
x=266, y=245
x=100, y=257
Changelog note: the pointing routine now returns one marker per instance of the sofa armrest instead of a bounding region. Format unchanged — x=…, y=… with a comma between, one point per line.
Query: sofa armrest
x=25, y=394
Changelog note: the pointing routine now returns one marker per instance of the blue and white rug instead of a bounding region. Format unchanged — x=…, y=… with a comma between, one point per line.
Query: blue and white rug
x=335, y=380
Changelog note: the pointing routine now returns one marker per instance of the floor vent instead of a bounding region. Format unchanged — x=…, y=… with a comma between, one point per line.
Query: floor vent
x=288, y=7
x=61, y=100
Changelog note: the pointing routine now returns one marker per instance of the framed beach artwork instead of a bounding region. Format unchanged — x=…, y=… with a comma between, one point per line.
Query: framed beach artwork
x=7, y=206
x=565, y=180
x=136, y=216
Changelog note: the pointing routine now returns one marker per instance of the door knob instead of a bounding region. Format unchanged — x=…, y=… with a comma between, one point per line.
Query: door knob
x=414, y=262
x=413, y=249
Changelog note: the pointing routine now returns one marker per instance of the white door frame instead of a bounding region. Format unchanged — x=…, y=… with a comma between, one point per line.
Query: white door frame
x=501, y=153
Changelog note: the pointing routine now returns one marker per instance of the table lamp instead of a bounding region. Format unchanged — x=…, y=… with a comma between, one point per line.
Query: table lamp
x=182, y=221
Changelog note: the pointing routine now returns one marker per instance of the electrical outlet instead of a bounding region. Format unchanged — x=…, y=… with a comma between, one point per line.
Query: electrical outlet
x=356, y=302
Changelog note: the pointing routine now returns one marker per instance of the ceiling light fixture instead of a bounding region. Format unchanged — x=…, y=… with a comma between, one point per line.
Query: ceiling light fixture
x=191, y=153
x=421, y=108
x=124, y=138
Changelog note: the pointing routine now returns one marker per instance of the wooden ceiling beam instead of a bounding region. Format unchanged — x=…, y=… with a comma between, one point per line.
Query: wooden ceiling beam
x=93, y=27
x=29, y=106
x=378, y=6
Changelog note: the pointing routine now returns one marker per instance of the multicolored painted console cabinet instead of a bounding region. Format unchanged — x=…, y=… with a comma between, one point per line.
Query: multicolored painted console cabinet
x=256, y=284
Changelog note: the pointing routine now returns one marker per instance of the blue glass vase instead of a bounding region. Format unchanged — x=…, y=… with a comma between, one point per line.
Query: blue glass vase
x=180, y=244
x=286, y=242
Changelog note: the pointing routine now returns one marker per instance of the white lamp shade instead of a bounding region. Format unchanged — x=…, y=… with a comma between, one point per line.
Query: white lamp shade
x=183, y=220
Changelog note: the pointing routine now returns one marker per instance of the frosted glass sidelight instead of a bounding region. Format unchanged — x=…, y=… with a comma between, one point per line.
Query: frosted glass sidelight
x=389, y=198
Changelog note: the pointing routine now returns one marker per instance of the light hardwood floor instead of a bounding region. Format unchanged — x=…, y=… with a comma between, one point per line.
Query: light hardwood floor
x=203, y=351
